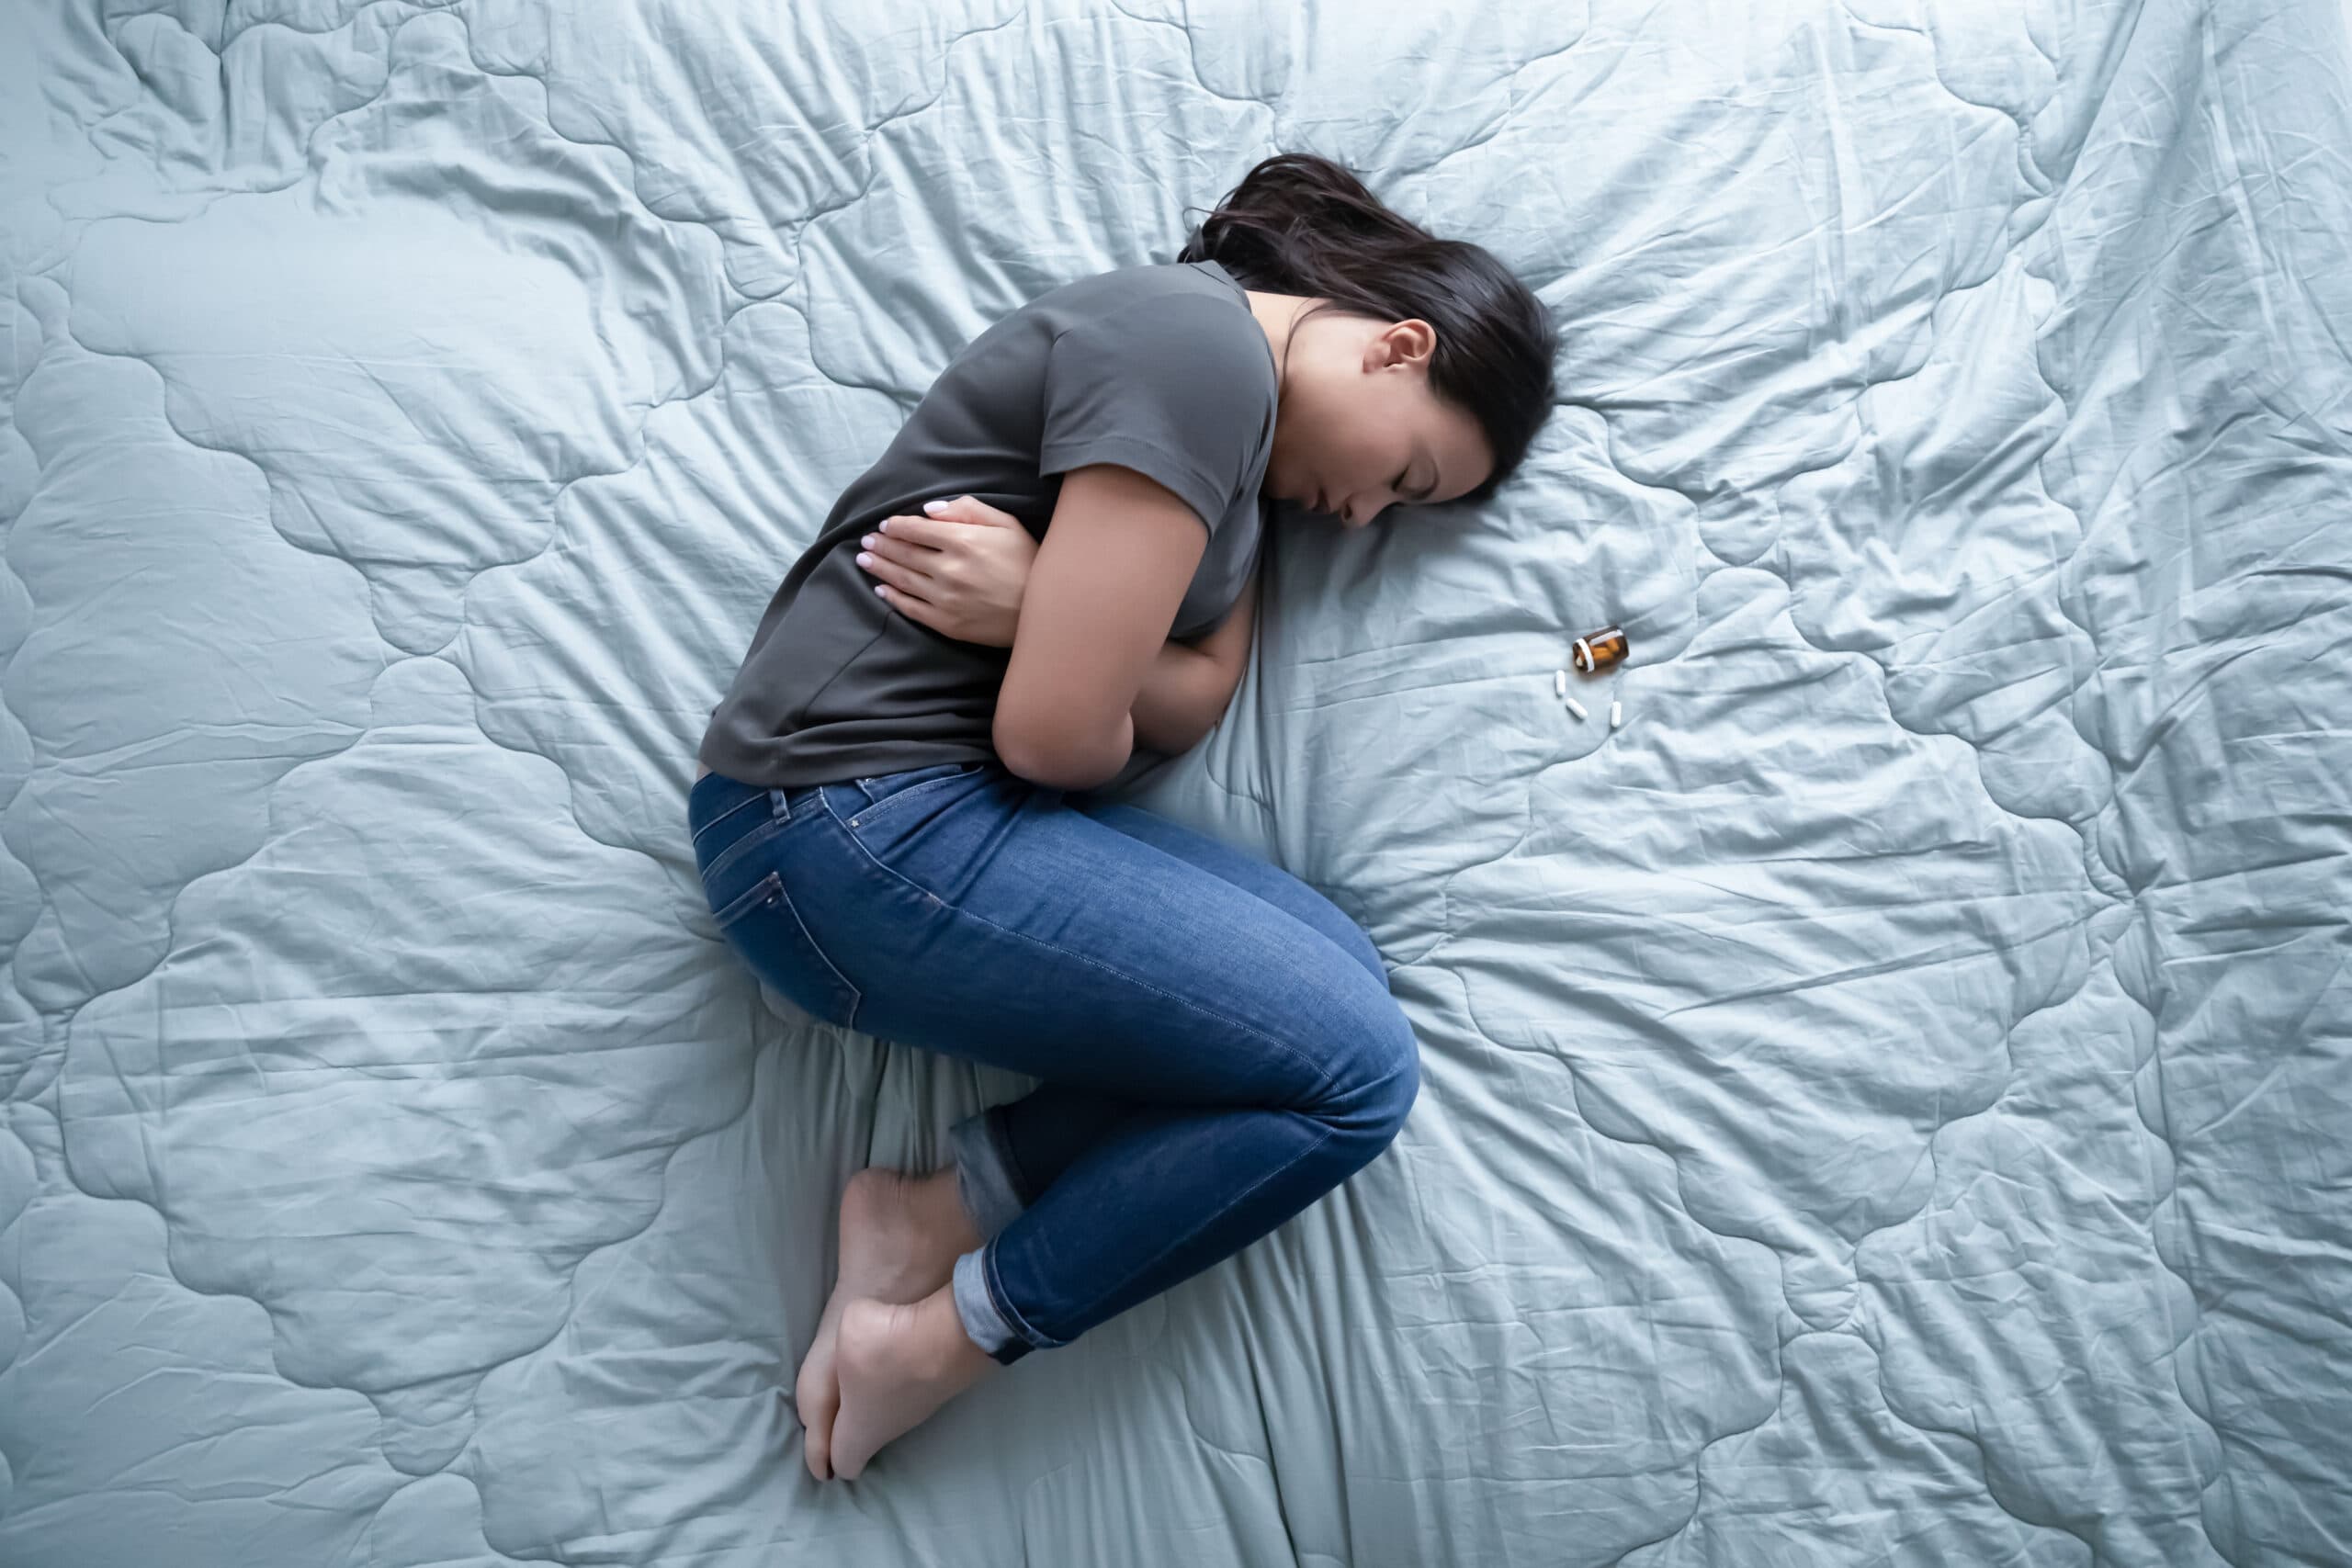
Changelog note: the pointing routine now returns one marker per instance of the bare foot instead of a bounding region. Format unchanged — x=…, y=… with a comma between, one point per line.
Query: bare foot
x=898, y=1364
x=900, y=1235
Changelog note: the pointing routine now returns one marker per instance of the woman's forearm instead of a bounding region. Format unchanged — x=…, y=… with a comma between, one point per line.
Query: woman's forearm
x=1184, y=694
x=1182, y=698
x=1230, y=643
x=1170, y=711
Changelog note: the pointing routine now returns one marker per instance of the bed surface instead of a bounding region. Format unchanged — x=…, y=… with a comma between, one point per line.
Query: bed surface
x=1887, y=1103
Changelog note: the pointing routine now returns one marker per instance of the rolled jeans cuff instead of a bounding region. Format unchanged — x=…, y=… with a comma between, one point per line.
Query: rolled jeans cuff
x=986, y=1327
x=984, y=1173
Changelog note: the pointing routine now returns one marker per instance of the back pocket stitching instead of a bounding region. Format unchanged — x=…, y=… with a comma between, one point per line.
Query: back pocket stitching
x=748, y=899
x=768, y=889
x=752, y=838
x=743, y=805
x=869, y=812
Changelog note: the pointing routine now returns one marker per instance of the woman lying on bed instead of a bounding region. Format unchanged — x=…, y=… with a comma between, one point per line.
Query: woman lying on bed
x=894, y=827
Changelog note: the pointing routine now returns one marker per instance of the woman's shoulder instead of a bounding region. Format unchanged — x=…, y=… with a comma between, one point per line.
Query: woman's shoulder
x=1174, y=313
x=1147, y=280
x=1148, y=319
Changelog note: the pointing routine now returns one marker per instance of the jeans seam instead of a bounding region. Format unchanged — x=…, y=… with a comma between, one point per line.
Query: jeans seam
x=735, y=909
x=1006, y=1310
x=1321, y=1082
x=750, y=839
x=1150, y=1263
x=873, y=807
x=744, y=804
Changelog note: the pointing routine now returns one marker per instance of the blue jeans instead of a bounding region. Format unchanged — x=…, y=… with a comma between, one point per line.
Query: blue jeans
x=1218, y=1040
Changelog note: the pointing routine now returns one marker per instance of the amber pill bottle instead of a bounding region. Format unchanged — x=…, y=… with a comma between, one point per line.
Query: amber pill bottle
x=1601, y=650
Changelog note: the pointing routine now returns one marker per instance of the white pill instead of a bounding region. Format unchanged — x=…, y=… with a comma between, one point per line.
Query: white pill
x=1576, y=708
x=1616, y=714
x=1559, y=683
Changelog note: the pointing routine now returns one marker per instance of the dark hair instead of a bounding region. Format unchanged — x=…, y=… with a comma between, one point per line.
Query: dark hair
x=1299, y=223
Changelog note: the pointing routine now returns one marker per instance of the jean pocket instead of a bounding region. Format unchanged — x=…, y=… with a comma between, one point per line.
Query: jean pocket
x=765, y=931
x=893, y=790
x=729, y=851
x=766, y=891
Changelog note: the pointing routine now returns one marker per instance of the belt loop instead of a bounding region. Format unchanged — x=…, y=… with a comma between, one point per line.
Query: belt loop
x=777, y=803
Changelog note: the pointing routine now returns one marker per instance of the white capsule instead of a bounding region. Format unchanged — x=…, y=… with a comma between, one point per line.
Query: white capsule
x=1559, y=683
x=1576, y=708
x=1616, y=714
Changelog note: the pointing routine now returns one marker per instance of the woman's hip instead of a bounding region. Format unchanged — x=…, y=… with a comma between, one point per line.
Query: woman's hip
x=963, y=908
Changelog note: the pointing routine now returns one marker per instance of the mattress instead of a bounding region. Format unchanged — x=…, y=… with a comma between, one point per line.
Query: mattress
x=1886, y=1102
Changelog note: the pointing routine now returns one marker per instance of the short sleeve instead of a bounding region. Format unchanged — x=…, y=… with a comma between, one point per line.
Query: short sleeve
x=1179, y=389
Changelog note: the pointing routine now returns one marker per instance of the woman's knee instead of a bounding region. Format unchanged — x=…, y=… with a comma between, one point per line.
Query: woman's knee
x=1359, y=942
x=1402, y=1087
x=1341, y=928
x=1379, y=1077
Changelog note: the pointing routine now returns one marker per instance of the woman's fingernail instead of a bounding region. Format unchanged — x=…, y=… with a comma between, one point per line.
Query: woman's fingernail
x=883, y=526
x=934, y=506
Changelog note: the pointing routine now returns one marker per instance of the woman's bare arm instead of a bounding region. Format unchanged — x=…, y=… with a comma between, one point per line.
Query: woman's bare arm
x=1191, y=684
x=1230, y=643
x=1108, y=579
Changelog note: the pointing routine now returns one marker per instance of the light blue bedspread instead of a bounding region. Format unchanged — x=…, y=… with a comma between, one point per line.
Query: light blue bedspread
x=1889, y=1102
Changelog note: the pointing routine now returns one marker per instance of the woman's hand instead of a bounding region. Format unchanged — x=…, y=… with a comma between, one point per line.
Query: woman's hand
x=960, y=570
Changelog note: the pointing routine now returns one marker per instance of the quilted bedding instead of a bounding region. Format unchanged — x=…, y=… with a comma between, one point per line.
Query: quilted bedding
x=1888, y=1102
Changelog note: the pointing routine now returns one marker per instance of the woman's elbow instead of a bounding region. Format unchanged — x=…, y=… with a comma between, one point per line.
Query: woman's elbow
x=1063, y=764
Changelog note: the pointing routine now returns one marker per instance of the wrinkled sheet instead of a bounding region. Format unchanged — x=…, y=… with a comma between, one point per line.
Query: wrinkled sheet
x=1887, y=1103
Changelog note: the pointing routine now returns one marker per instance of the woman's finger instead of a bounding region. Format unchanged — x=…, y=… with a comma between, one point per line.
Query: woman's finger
x=930, y=532
x=890, y=569
x=908, y=605
x=890, y=546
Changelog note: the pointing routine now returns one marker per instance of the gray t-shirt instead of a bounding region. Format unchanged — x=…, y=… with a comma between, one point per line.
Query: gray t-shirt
x=1162, y=369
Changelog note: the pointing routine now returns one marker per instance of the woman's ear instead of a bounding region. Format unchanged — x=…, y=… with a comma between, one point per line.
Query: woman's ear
x=1415, y=340
x=1399, y=345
